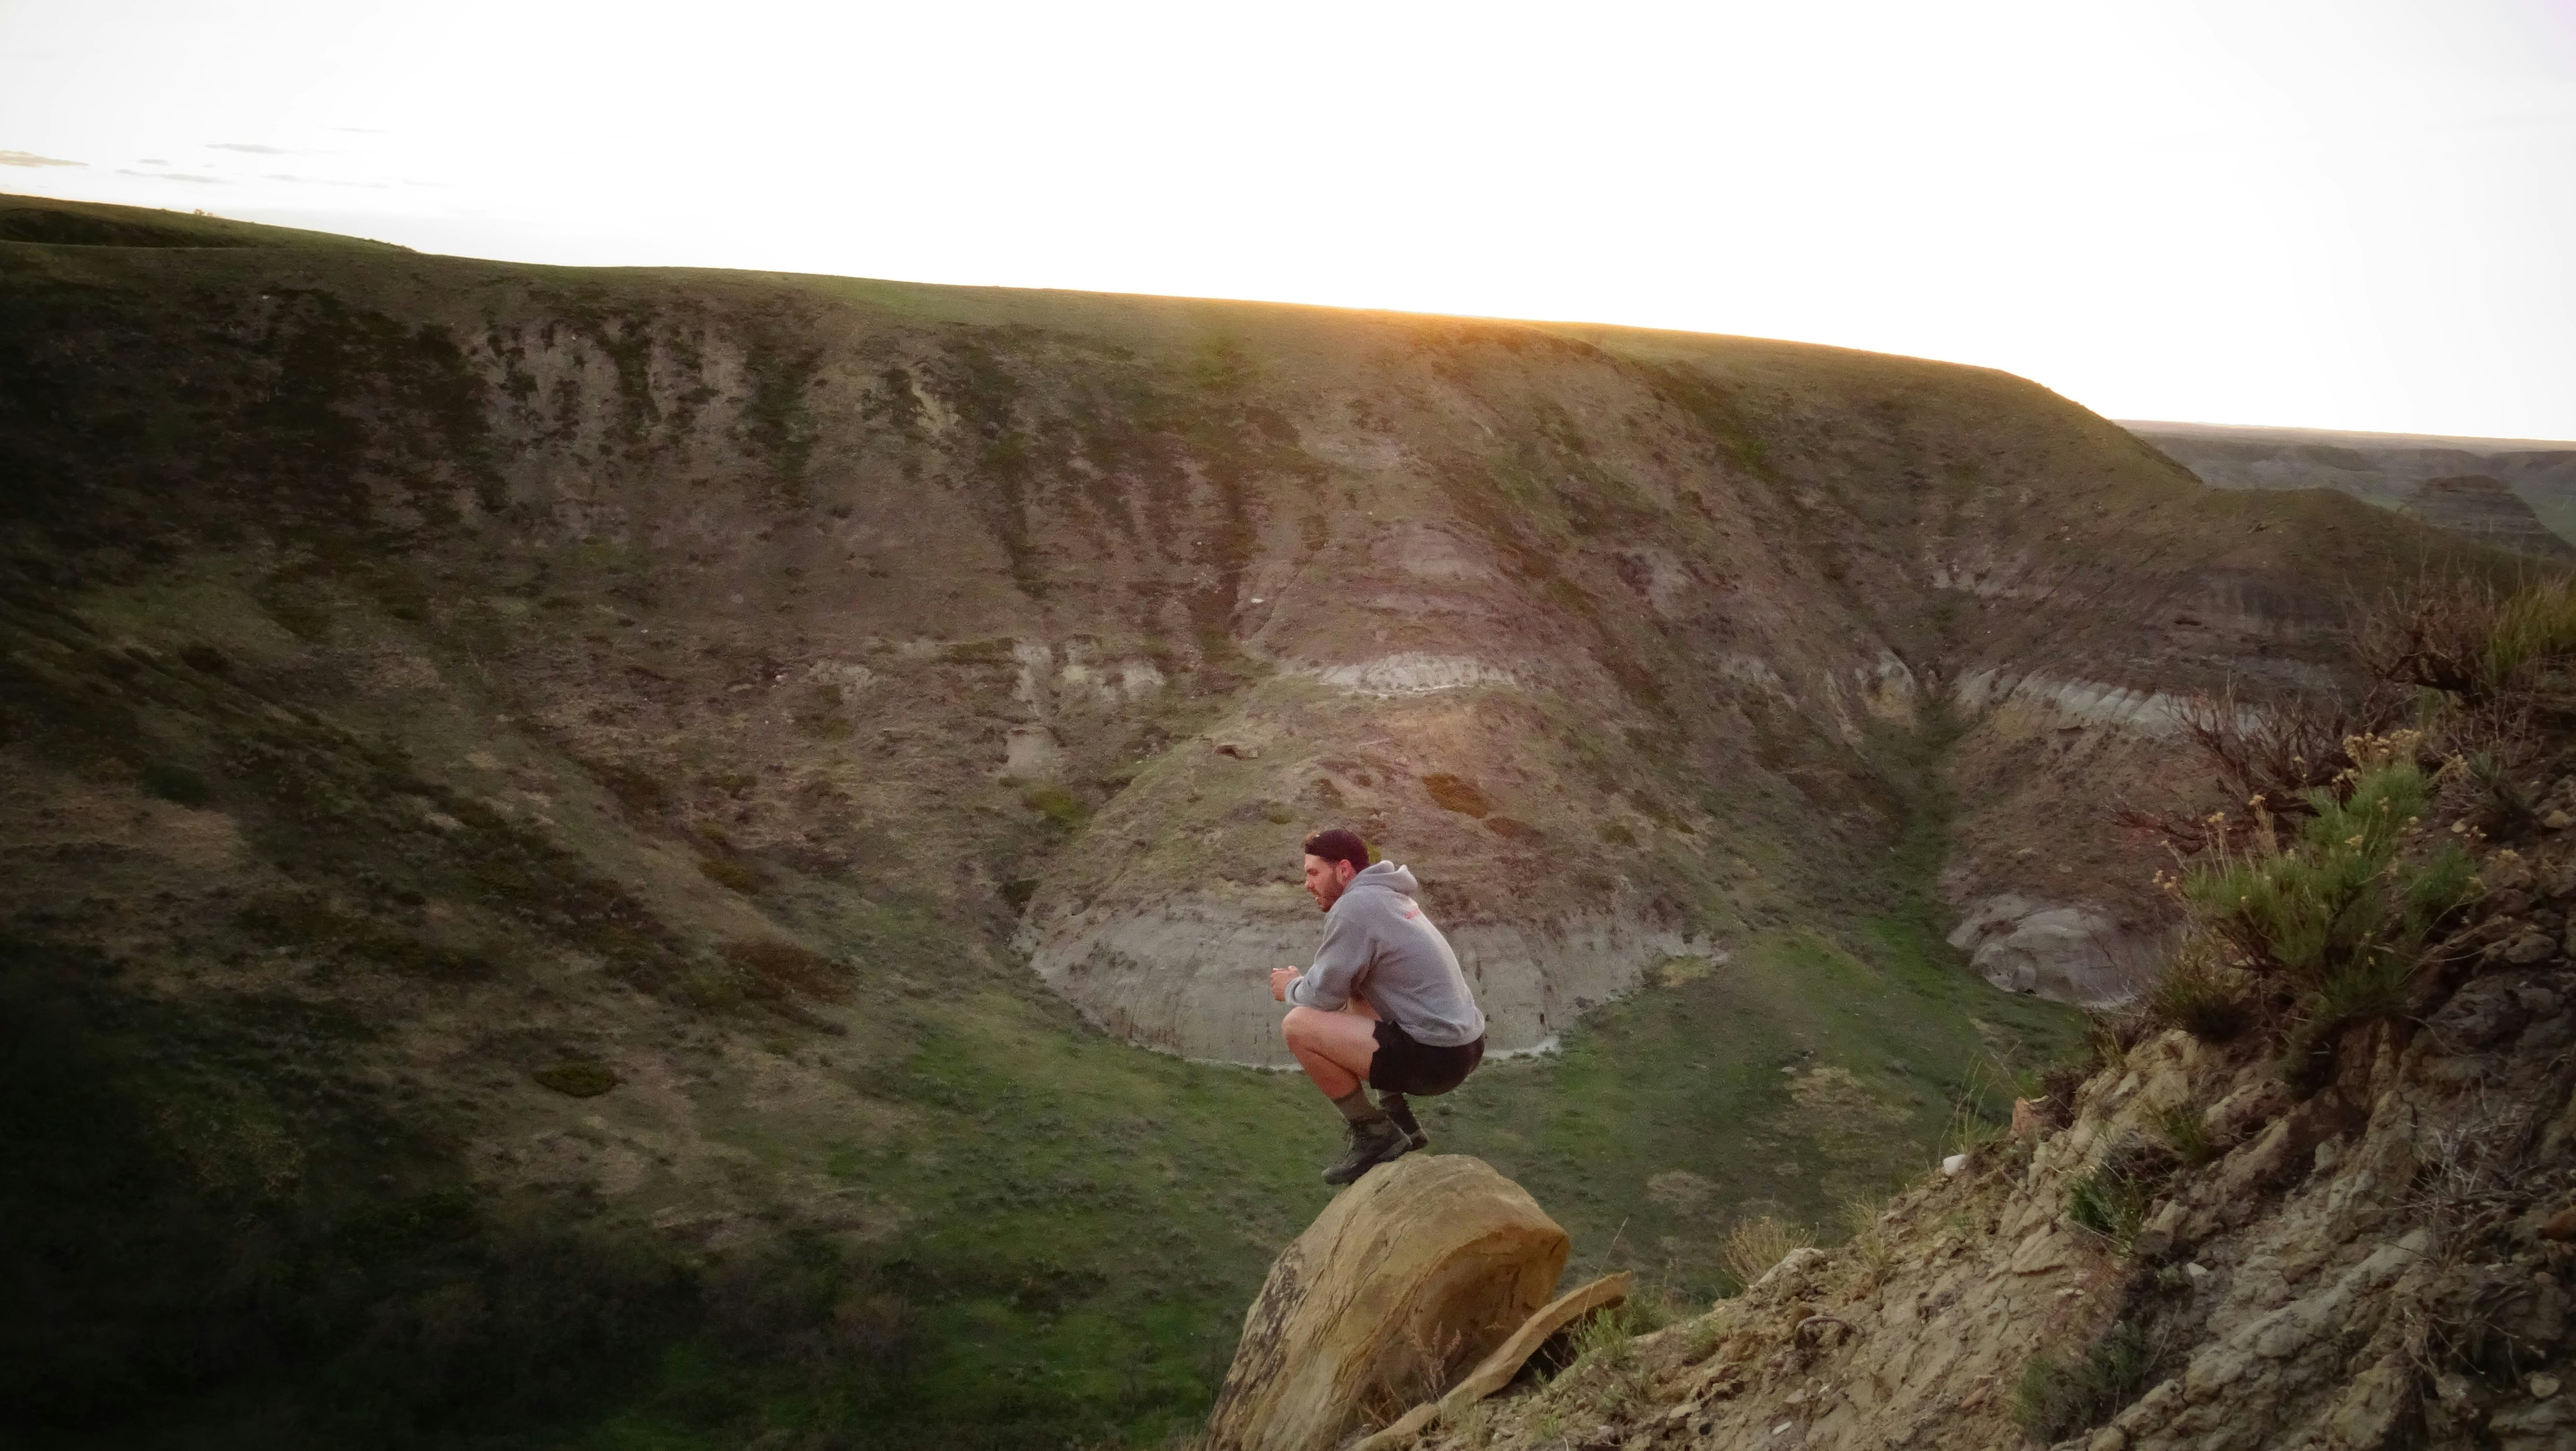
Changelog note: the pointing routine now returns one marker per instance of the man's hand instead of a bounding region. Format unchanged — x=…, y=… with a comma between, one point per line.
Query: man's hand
x=1280, y=977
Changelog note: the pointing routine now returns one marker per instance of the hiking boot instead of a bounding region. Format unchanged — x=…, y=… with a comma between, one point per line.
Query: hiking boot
x=1372, y=1144
x=1394, y=1107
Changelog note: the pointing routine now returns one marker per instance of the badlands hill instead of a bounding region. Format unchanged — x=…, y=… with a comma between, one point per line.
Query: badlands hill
x=2517, y=494
x=596, y=848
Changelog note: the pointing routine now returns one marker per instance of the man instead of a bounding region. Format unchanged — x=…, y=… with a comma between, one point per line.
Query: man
x=1384, y=1004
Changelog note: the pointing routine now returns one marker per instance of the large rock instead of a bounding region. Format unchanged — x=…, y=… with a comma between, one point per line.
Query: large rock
x=1408, y=1278
x=2072, y=953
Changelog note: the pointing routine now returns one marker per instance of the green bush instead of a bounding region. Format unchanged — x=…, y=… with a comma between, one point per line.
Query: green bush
x=2339, y=911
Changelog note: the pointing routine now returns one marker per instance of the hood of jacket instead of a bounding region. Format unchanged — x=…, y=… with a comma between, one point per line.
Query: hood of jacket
x=1389, y=875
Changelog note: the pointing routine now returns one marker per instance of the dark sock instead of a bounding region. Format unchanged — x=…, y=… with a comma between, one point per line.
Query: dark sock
x=1355, y=1106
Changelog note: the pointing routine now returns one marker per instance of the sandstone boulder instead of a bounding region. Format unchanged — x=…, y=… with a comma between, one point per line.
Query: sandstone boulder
x=1406, y=1280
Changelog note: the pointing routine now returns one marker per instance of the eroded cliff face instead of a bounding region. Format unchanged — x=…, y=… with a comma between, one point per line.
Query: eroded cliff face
x=1069, y=615
x=2384, y=1260
x=589, y=760
x=2517, y=494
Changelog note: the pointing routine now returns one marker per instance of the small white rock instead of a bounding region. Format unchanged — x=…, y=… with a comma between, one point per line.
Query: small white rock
x=1783, y=1426
x=2543, y=1387
x=1953, y=1164
x=2197, y=1271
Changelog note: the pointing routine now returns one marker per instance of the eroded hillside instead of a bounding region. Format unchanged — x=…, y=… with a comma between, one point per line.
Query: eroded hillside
x=2516, y=494
x=541, y=792
x=2185, y=1249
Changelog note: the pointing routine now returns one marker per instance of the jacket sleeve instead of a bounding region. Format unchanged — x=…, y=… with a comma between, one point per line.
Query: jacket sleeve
x=1340, y=963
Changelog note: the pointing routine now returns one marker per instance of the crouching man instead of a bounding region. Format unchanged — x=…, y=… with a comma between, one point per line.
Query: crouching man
x=1384, y=1004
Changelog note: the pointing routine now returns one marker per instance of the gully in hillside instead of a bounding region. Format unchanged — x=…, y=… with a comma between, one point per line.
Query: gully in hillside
x=1384, y=1004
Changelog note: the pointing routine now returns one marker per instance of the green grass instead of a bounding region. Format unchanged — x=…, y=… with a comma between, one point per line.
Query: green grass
x=1704, y=1078
x=2111, y=1198
x=1089, y=1219
x=2057, y=1396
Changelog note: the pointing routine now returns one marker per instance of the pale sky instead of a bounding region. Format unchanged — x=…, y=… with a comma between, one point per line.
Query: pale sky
x=2326, y=213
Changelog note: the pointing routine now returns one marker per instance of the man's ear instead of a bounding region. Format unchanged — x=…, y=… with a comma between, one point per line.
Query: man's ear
x=1343, y=871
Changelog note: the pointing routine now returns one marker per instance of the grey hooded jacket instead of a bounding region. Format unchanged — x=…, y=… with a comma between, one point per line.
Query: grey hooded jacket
x=1378, y=944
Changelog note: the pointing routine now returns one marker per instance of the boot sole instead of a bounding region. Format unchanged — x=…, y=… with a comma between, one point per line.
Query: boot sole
x=1401, y=1148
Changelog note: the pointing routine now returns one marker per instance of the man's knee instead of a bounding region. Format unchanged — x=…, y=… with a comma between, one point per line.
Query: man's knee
x=1299, y=1026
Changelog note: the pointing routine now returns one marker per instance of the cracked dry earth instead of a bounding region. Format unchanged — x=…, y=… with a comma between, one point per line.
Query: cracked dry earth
x=2385, y=1262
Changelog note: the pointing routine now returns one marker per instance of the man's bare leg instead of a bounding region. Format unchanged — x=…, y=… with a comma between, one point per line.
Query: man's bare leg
x=1333, y=1047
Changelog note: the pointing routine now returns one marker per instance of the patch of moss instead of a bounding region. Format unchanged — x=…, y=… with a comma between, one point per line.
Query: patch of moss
x=732, y=875
x=978, y=652
x=577, y=1077
x=1456, y=793
x=203, y=657
x=1057, y=805
x=177, y=783
x=775, y=969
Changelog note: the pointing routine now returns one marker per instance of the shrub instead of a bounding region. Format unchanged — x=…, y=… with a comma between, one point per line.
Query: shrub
x=2180, y=1127
x=1606, y=1338
x=2339, y=911
x=2468, y=640
x=2506, y=808
x=2110, y=1036
x=2346, y=889
x=1869, y=1252
x=2110, y=1199
x=2276, y=754
x=1755, y=1245
x=2057, y=1397
x=2203, y=997
x=1980, y=1110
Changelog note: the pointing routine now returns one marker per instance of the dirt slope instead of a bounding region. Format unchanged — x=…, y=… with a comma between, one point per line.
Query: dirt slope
x=2385, y=1261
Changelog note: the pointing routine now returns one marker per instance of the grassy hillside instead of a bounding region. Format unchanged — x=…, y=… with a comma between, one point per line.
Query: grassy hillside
x=533, y=797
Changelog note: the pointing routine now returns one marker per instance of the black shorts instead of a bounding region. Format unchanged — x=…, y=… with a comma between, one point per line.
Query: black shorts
x=1402, y=1065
